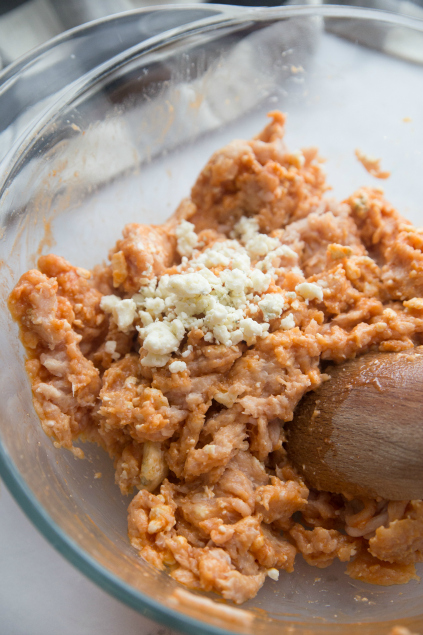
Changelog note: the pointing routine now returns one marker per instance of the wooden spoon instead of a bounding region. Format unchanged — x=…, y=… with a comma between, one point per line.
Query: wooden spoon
x=361, y=432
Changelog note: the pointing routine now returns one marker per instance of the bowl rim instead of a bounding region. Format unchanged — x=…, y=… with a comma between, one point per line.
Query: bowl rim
x=18, y=487
x=23, y=60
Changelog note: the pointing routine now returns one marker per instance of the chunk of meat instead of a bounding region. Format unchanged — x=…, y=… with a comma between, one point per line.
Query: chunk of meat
x=352, y=290
x=150, y=516
x=372, y=165
x=241, y=478
x=211, y=569
x=272, y=551
x=320, y=546
x=260, y=178
x=217, y=573
x=214, y=456
x=402, y=272
x=279, y=500
x=128, y=467
x=377, y=221
x=213, y=359
x=369, y=569
x=402, y=541
x=127, y=402
x=392, y=330
x=76, y=285
x=44, y=317
x=322, y=510
x=144, y=251
x=65, y=384
x=311, y=236
x=116, y=344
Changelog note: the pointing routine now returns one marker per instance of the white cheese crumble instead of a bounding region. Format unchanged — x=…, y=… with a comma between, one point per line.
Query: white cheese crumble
x=273, y=574
x=288, y=322
x=187, y=239
x=123, y=311
x=222, y=290
x=272, y=306
x=155, y=361
x=154, y=306
x=187, y=285
x=219, y=303
x=251, y=328
x=161, y=338
x=309, y=291
x=110, y=347
x=177, y=367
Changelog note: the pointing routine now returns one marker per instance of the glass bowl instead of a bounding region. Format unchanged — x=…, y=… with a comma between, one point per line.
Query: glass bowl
x=110, y=123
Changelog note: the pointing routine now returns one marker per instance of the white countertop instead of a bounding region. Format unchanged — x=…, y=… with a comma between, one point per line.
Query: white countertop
x=42, y=594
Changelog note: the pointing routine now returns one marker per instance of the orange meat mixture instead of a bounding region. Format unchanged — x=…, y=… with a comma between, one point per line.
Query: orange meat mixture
x=218, y=502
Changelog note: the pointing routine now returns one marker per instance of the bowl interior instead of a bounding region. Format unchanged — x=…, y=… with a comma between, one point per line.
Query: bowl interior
x=125, y=145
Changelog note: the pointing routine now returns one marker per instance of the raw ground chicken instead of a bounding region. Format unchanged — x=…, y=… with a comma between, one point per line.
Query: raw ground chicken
x=218, y=504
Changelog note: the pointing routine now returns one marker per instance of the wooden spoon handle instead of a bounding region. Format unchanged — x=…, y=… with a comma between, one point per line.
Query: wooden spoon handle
x=361, y=432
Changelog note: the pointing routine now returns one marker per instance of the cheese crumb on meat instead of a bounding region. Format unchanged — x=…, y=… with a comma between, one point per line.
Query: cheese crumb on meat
x=187, y=239
x=272, y=306
x=310, y=291
x=123, y=311
x=288, y=322
x=177, y=367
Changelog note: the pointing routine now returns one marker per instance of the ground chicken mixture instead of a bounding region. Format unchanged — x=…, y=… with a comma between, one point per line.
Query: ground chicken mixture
x=185, y=355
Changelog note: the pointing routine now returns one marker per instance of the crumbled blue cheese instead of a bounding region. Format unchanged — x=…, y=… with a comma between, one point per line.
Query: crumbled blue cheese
x=188, y=285
x=187, y=239
x=261, y=245
x=222, y=290
x=177, y=367
x=152, y=360
x=154, y=306
x=272, y=306
x=123, y=311
x=273, y=260
x=160, y=338
x=288, y=322
x=260, y=281
x=146, y=318
x=220, y=304
x=310, y=291
x=252, y=329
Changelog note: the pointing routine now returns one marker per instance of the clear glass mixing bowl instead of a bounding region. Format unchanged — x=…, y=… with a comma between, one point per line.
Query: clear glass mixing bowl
x=110, y=123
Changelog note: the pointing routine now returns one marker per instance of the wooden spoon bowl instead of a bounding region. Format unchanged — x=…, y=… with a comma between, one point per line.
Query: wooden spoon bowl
x=361, y=432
